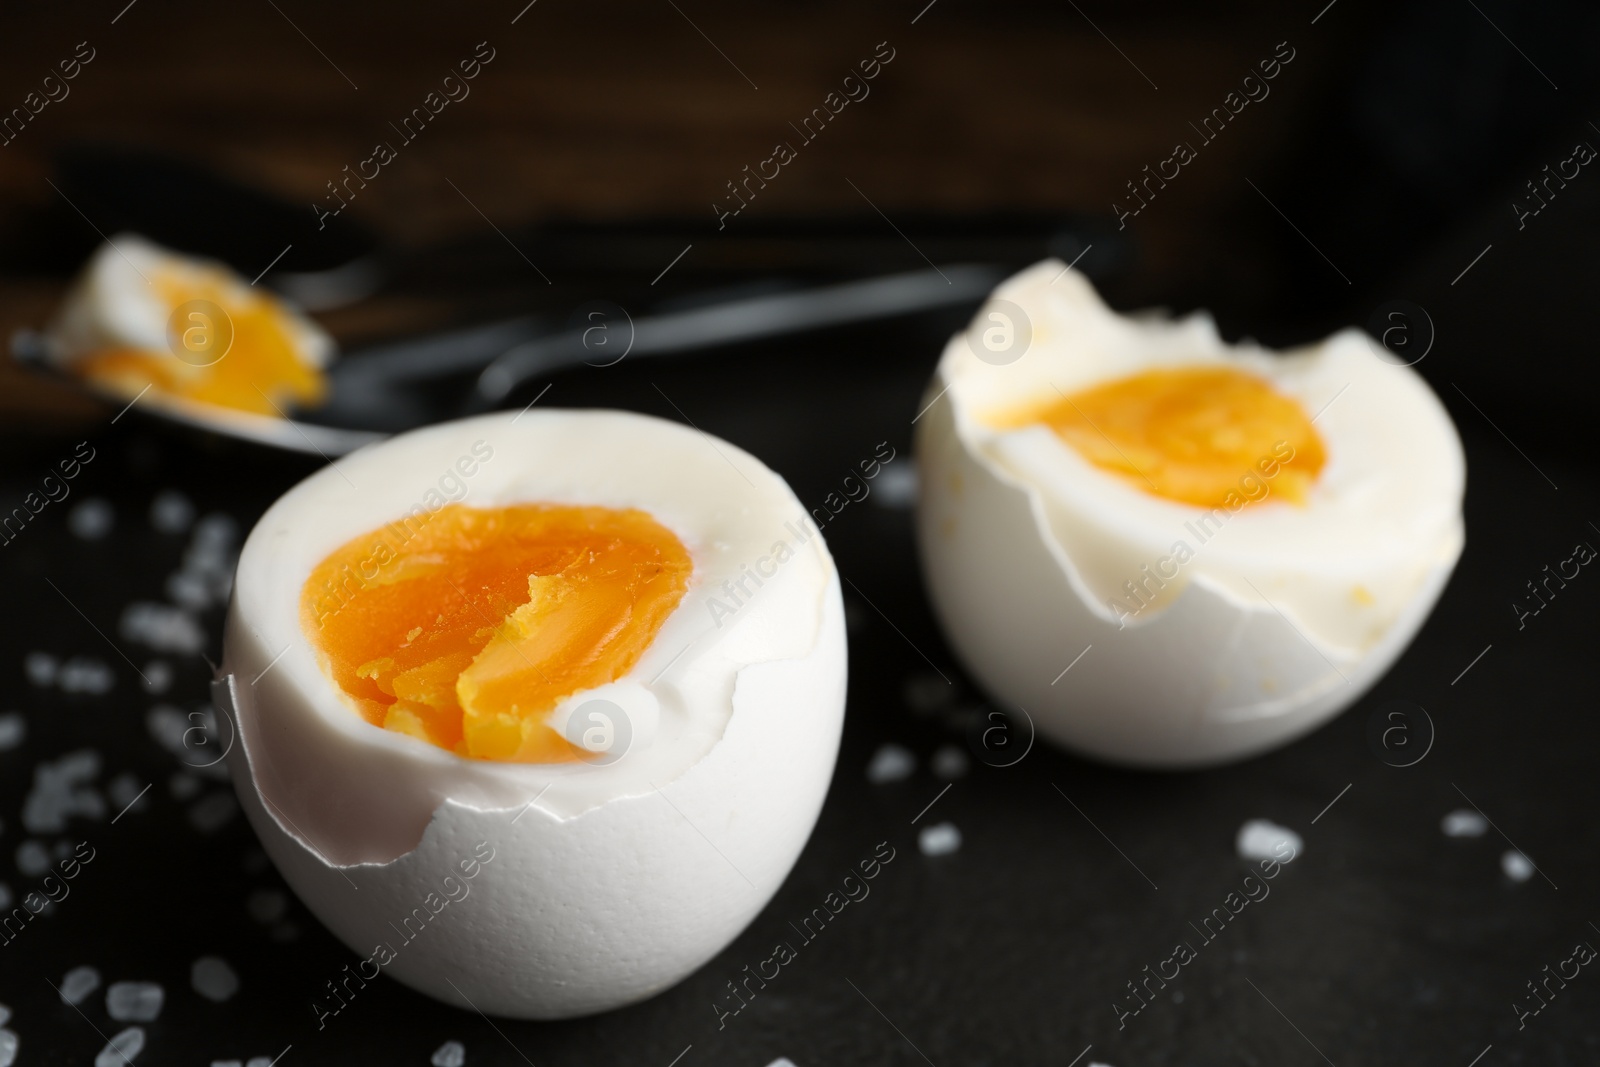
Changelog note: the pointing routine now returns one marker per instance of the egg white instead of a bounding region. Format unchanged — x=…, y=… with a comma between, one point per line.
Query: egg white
x=113, y=303
x=1274, y=621
x=612, y=880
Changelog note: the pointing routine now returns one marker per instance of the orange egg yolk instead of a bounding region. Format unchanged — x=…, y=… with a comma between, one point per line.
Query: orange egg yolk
x=261, y=368
x=1198, y=435
x=465, y=627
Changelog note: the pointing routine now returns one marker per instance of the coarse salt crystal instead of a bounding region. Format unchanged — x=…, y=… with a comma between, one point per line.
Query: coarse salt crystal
x=157, y=676
x=171, y=512
x=896, y=486
x=58, y=792
x=78, y=984
x=13, y=729
x=1516, y=866
x=1464, y=822
x=91, y=519
x=125, y=789
x=213, y=979
x=949, y=763
x=84, y=674
x=924, y=693
x=40, y=668
x=449, y=1054
x=162, y=627
x=33, y=859
x=134, y=1002
x=1260, y=839
x=122, y=1048
x=940, y=839
x=890, y=763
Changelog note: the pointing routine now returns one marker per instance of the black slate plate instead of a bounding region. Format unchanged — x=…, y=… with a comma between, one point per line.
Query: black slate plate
x=1386, y=942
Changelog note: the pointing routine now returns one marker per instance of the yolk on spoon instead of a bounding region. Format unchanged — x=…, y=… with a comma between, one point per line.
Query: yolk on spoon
x=466, y=627
x=262, y=369
x=1187, y=434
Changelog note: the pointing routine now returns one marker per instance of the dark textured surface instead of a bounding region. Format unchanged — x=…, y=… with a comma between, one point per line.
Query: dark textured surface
x=1386, y=942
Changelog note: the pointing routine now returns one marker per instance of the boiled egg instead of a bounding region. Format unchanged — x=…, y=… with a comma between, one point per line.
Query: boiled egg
x=535, y=711
x=191, y=331
x=1170, y=551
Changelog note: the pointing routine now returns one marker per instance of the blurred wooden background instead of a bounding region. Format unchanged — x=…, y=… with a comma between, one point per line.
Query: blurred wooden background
x=616, y=110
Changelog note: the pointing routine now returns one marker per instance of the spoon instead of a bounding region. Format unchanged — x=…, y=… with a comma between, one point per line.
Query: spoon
x=386, y=385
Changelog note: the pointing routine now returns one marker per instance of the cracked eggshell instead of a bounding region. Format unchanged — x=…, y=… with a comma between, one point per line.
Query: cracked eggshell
x=1019, y=573
x=606, y=882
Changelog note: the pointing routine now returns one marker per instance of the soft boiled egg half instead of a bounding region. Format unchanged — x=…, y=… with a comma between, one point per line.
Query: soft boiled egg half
x=1166, y=550
x=191, y=331
x=535, y=711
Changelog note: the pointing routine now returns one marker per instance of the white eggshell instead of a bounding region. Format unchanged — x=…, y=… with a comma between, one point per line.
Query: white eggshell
x=608, y=882
x=1023, y=544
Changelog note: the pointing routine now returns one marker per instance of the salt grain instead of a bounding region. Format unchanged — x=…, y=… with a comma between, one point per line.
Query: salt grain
x=1260, y=839
x=78, y=984
x=940, y=839
x=5, y=897
x=168, y=725
x=171, y=512
x=227, y=1063
x=59, y=792
x=13, y=729
x=213, y=812
x=1464, y=822
x=124, y=790
x=162, y=627
x=134, y=1002
x=122, y=1048
x=896, y=486
x=157, y=676
x=781, y=1061
x=926, y=693
x=8, y=1048
x=33, y=859
x=949, y=763
x=40, y=668
x=891, y=763
x=259, y=1061
x=266, y=905
x=91, y=519
x=217, y=530
x=1516, y=866
x=206, y=576
x=213, y=979
x=84, y=674
x=183, y=786
x=449, y=1054
x=189, y=590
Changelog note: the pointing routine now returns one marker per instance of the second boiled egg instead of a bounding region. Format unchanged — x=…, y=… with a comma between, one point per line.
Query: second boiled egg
x=1167, y=550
